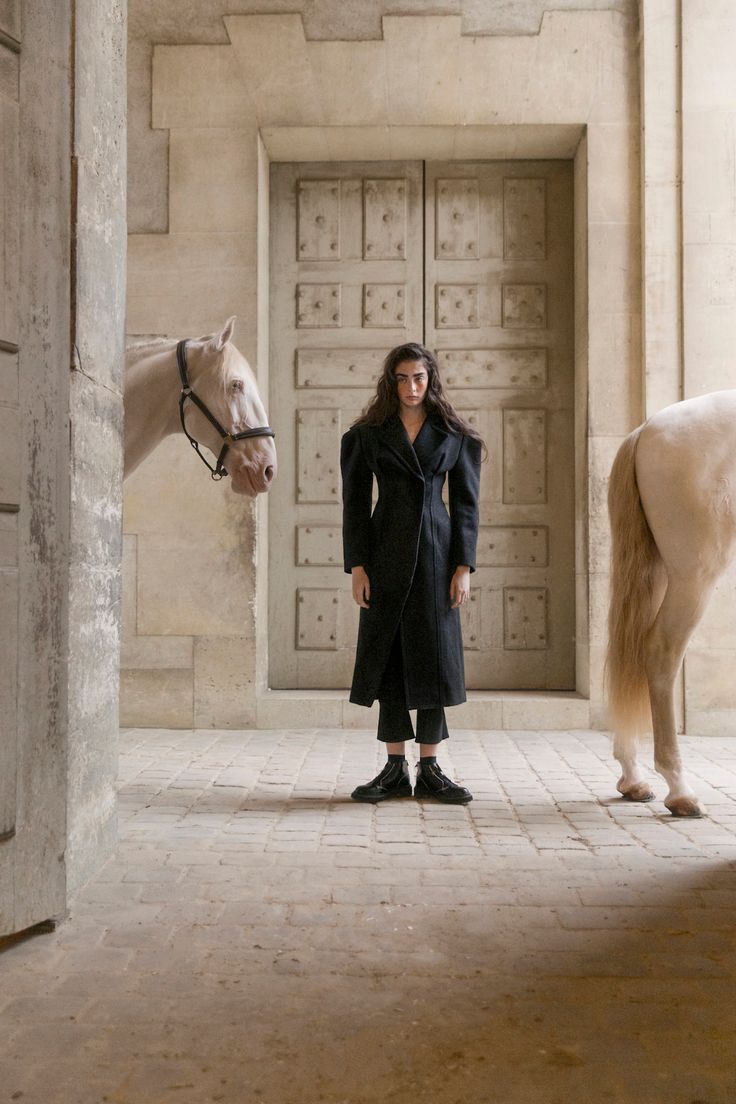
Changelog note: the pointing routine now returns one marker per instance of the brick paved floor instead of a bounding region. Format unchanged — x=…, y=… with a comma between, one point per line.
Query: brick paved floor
x=261, y=938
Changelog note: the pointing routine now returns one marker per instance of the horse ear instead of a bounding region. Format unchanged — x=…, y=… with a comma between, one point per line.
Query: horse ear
x=220, y=340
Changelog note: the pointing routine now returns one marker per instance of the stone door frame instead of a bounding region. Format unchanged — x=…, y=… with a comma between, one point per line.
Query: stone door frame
x=486, y=709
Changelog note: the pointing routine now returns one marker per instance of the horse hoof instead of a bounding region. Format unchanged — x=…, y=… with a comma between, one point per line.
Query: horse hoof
x=640, y=791
x=684, y=807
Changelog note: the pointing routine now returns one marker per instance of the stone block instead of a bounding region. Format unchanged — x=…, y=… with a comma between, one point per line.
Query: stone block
x=708, y=177
x=717, y=629
x=204, y=200
x=422, y=67
x=357, y=716
x=187, y=588
x=710, y=275
x=276, y=66
x=157, y=653
x=156, y=698
x=613, y=172
x=597, y=613
x=709, y=679
x=708, y=348
x=172, y=493
x=548, y=712
x=298, y=143
x=198, y=86
x=349, y=143
x=300, y=709
x=614, y=395
x=504, y=141
x=479, y=711
x=601, y=454
x=186, y=303
x=708, y=72
x=224, y=680
x=614, y=268
x=365, y=95
x=710, y=722
x=166, y=256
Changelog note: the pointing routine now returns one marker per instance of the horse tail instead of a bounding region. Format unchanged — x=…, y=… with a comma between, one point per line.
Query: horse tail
x=635, y=568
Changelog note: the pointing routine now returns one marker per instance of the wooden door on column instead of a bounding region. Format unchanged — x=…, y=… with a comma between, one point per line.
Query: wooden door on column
x=478, y=266
x=346, y=286
x=499, y=314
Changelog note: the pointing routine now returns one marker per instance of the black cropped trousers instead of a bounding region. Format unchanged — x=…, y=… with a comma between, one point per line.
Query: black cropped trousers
x=394, y=722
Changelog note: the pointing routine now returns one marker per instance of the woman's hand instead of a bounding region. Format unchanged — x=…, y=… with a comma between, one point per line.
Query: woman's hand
x=361, y=587
x=459, y=586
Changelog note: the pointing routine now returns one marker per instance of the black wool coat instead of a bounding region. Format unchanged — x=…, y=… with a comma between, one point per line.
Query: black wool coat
x=410, y=547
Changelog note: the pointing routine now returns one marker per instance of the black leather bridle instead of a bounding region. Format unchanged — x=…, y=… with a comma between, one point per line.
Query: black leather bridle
x=228, y=438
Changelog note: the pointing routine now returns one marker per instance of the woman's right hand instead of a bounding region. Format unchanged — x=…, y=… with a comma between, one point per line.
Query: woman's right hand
x=361, y=587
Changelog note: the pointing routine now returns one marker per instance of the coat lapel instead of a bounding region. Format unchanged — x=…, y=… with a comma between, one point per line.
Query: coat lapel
x=429, y=441
x=394, y=437
x=422, y=456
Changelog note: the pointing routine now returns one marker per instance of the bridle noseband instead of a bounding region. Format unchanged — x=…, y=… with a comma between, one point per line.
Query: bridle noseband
x=228, y=438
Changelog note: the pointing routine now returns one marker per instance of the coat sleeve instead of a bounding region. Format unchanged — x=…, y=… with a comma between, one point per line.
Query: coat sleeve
x=357, y=488
x=464, y=487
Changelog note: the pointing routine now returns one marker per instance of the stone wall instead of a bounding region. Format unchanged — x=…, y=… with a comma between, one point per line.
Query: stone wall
x=267, y=91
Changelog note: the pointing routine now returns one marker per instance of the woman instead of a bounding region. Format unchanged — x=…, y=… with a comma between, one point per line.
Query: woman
x=410, y=564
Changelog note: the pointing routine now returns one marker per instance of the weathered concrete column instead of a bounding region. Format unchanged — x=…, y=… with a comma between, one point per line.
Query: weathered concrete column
x=95, y=409
x=63, y=139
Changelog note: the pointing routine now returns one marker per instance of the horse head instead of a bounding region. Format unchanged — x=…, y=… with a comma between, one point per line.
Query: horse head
x=224, y=381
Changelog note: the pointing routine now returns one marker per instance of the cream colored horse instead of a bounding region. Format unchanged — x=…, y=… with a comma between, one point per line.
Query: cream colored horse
x=222, y=378
x=673, y=519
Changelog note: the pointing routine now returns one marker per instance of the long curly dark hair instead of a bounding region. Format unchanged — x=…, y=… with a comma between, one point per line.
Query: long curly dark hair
x=385, y=402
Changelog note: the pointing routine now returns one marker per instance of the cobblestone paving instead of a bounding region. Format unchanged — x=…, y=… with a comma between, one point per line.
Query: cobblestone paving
x=261, y=938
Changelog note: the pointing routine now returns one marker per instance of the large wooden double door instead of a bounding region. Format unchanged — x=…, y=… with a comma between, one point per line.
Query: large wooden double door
x=474, y=260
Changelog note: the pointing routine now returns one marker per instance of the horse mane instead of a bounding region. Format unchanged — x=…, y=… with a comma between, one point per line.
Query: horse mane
x=134, y=342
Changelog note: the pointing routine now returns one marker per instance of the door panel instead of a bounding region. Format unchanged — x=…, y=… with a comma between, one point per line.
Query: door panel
x=478, y=265
x=499, y=314
x=346, y=278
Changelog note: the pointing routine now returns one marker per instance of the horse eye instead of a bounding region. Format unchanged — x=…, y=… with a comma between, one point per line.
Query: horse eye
x=236, y=385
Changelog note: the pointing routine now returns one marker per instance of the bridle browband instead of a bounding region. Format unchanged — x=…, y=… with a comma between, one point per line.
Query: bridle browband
x=228, y=438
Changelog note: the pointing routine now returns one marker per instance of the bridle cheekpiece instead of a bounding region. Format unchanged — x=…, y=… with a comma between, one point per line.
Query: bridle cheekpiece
x=227, y=438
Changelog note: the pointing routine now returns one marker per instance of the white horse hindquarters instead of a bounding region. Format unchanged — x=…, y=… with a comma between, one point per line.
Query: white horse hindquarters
x=686, y=457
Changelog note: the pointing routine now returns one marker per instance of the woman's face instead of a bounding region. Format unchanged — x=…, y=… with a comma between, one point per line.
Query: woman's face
x=412, y=380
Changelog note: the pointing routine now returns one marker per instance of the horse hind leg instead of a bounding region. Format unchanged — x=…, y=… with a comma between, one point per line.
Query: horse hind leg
x=632, y=784
x=681, y=609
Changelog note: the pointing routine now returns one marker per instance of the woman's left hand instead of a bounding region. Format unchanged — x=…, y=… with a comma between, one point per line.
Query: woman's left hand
x=460, y=586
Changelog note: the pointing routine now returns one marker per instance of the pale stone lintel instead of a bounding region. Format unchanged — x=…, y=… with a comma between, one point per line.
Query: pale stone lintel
x=356, y=143
x=424, y=71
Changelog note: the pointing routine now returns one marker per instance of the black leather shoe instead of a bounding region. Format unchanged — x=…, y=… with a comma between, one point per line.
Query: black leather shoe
x=393, y=781
x=431, y=782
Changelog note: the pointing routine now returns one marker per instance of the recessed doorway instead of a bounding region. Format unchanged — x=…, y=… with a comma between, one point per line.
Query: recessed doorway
x=475, y=260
